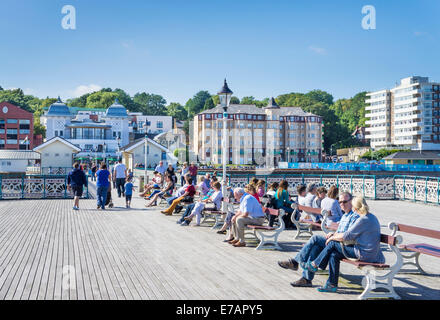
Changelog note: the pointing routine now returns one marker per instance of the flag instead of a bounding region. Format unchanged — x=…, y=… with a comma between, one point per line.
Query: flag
x=26, y=140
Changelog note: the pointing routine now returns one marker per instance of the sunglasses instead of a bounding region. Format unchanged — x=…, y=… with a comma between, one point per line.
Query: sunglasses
x=343, y=202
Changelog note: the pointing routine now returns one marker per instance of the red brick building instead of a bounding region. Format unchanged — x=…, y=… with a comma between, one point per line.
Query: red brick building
x=15, y=125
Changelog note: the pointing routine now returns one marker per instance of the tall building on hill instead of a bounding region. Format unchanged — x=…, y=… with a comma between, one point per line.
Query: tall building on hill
x=406, y=116
x=258, y=135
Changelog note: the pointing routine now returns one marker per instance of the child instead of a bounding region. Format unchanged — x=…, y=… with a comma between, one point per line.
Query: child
x=128, y=192
x=260, y=188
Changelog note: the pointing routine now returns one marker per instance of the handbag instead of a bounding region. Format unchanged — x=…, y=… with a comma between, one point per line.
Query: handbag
x=348, y=243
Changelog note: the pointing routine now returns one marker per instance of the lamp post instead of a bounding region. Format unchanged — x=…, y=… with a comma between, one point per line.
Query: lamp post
x=146, y=153
x=118, y=140
x=225, y=95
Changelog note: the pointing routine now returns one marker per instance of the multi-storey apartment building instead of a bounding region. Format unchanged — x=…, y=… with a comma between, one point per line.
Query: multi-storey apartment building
x=16, y=128
x=258, y=135
x=407, y=115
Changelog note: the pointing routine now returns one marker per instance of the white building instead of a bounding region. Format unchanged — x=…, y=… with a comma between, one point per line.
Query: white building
x=134, y=153
x=56, y=153
x=406, y=116
x=17, y=161
x=96, y=133
x=155, y=124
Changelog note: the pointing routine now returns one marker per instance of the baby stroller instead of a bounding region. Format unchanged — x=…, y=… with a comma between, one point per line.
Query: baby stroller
x=108, y=201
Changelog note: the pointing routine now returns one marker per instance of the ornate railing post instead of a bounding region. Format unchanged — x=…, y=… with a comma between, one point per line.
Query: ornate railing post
x=375, y=193
x=1, y=187
x=394, y=187
x=44, y=187
x=22, y=186
x=415, y=188
x=438, y=190
x=363, y=186
x=426, y=189
x=404, y=187
x=351, y=184
x=65, y=187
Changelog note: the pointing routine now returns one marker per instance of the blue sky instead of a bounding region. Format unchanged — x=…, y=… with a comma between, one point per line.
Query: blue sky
x=176, y=48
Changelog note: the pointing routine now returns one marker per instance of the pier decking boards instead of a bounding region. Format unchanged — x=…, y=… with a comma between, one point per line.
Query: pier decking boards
x=141, y=254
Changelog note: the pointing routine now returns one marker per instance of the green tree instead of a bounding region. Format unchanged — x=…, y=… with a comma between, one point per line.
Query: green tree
x=234, y=100
x=196, y=104
x=177, y=111
x=150, y=104
x=101, y=99
x=209, y=104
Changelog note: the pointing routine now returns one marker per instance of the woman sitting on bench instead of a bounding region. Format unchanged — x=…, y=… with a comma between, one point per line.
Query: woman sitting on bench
x=186, y=193
x=197, y=208
x=155, y=184
x=168, y=189
x=364, y=233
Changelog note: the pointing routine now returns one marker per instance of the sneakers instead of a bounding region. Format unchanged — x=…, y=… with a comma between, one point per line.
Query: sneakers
x=328, y=288
x=75, y=208
x=303, y=282
x=289, y=264
x=310, y=267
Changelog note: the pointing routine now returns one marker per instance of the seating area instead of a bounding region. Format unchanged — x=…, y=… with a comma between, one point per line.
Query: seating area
x=304, y=218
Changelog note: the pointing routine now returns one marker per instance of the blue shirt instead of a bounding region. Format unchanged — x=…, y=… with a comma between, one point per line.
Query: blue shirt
x=102, y=180
x=129, y=188
x=366, y=232
x=346, y=221
x=250, y=204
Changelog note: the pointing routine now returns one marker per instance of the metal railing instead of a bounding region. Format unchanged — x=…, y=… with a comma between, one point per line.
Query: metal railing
x=36, y=187
x=396, y=187
x=364, y=167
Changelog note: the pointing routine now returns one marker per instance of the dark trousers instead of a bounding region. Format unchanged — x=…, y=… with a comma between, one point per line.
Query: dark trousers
x=287, y=217
x=187, y=212
x=120, y=183
x=332, y=255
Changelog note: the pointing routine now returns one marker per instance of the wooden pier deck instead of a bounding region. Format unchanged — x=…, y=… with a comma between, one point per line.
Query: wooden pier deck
x=49, y=251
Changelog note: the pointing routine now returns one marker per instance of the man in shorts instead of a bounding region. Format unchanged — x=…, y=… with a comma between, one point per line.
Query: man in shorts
x=76, y=180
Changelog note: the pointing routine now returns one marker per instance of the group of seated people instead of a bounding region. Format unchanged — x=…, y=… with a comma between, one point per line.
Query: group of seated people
x=357, y=235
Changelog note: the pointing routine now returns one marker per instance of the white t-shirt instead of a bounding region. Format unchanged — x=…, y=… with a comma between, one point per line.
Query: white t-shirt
x=216, y=198
x=120, y=170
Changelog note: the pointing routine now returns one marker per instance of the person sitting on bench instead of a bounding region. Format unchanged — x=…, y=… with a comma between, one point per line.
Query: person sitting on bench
x=364, y=233
x=330, y=203
x=187, y=192
x=155, y=184
x=283, y=202
x=316, y=244
x=167, y=189
x=197, y=208
x=249, y=213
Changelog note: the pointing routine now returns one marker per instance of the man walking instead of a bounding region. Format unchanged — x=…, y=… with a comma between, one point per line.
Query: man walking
x=76, y=180
x=120, y=176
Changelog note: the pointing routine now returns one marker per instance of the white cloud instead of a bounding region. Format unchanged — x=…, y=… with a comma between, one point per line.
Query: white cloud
x=83, y=89
x=318, y=50
x=419, y=33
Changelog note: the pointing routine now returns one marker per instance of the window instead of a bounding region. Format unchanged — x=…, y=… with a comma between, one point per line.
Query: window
x=24, y=131
x=159, y=124
x=12, y=121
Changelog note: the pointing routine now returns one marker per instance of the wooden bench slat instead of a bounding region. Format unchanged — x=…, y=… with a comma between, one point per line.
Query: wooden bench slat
x=260, y=227
x=419, y=231
x=385, y=238
x=424, y=248
x=364, y=264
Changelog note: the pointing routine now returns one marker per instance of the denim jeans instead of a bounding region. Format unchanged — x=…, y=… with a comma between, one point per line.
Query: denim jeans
x=187, y=212
x=101, y=196
x=332, y=256
x=153, y=193
x=171, y=199
x=310, y=252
